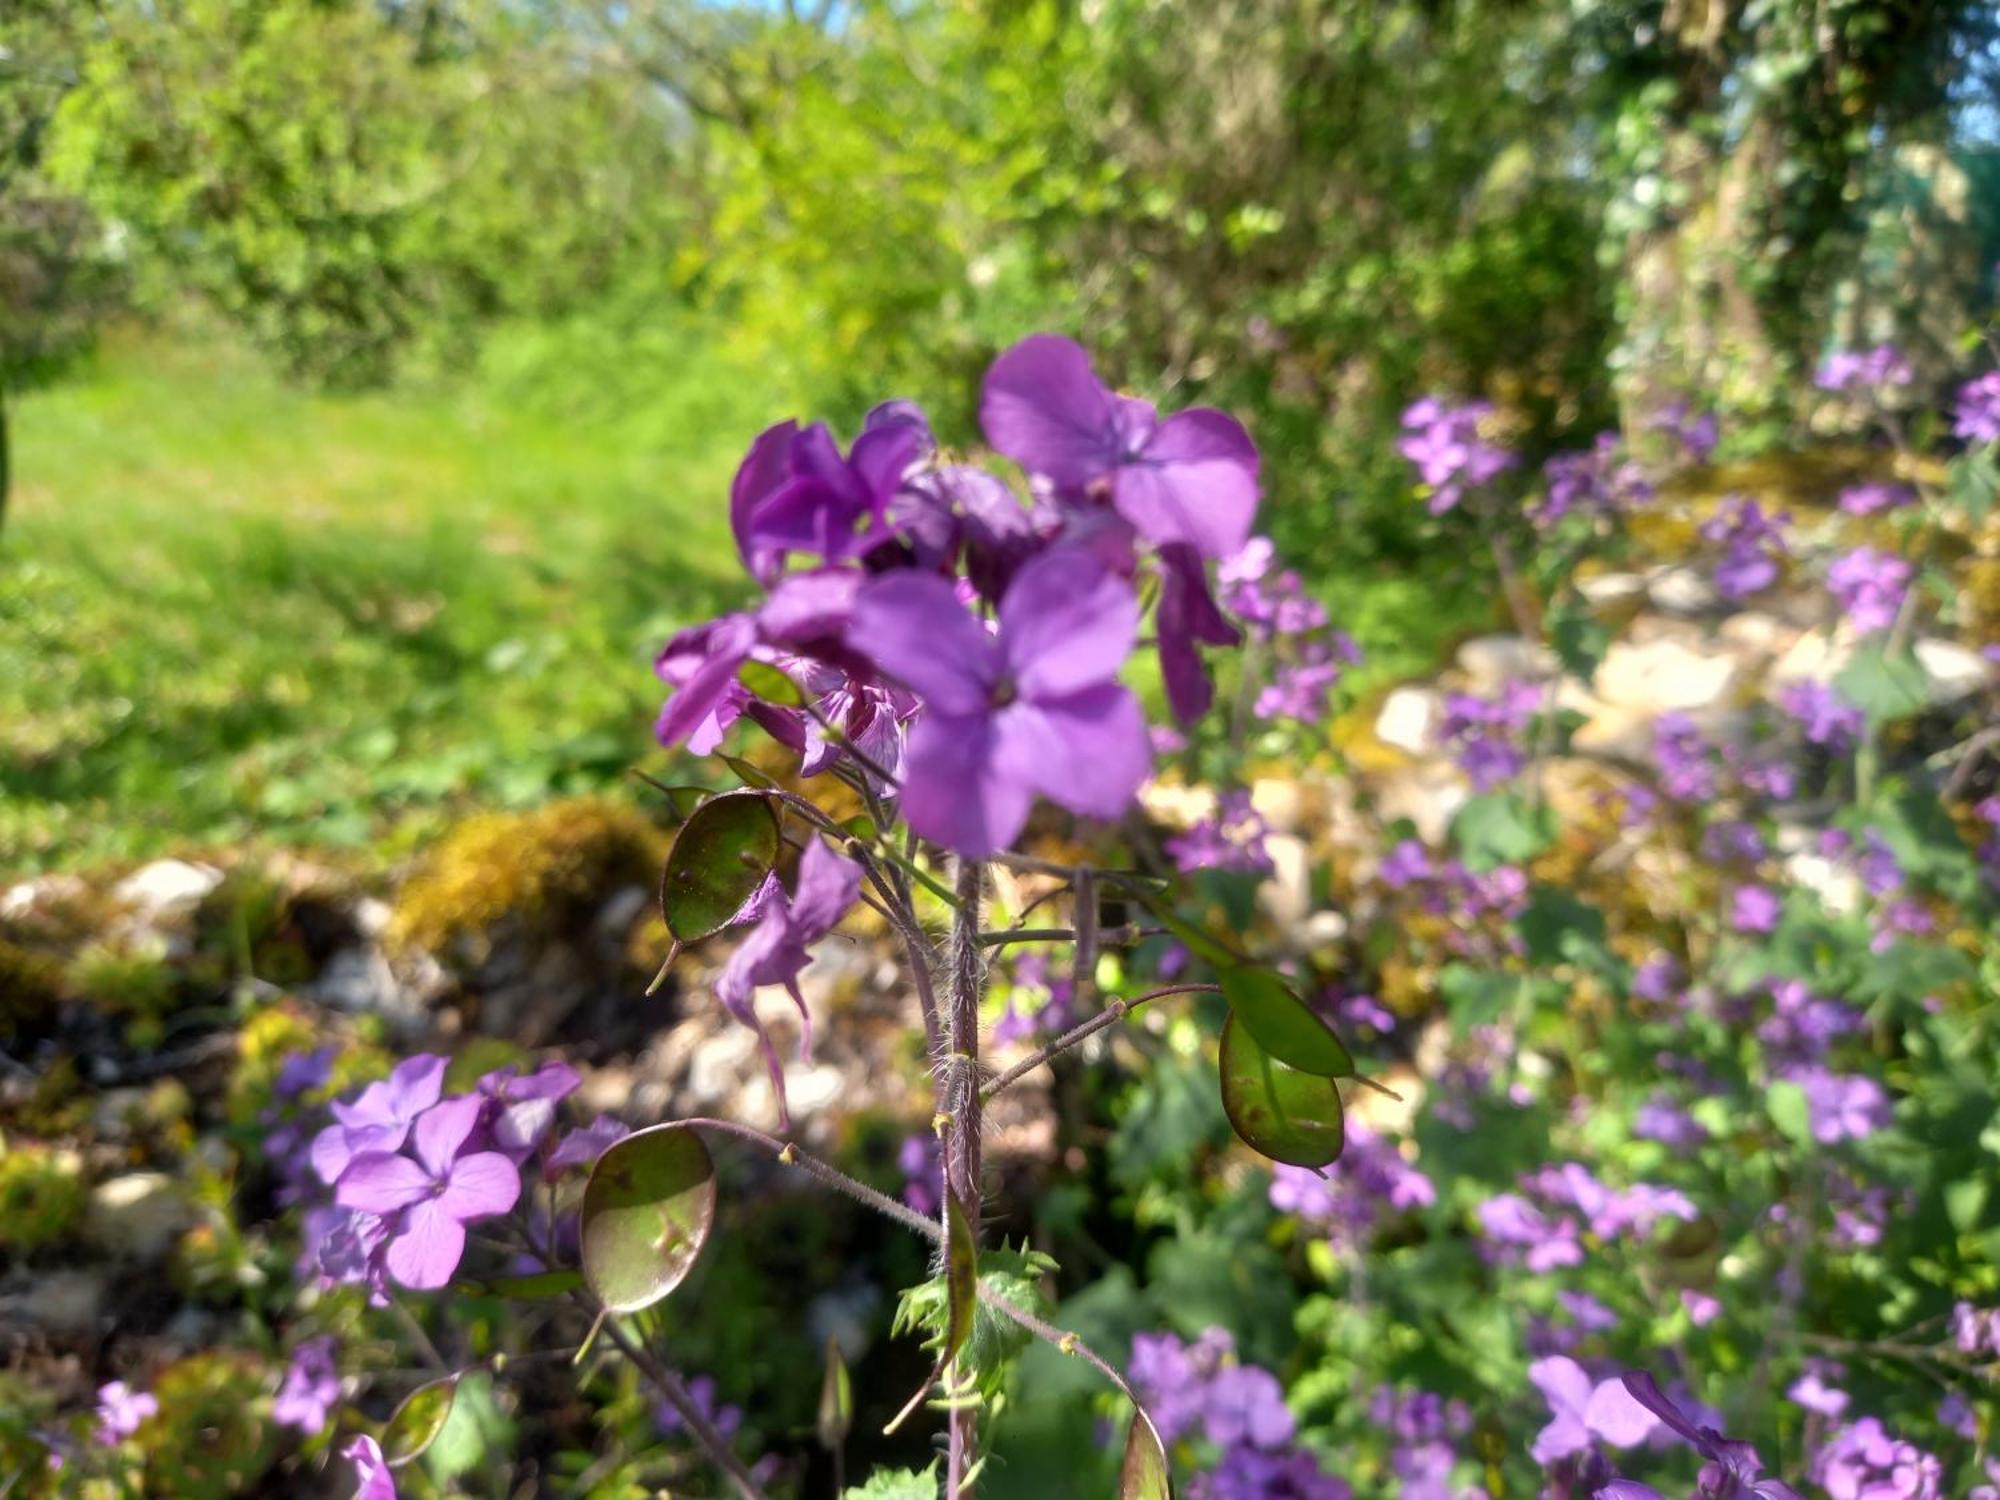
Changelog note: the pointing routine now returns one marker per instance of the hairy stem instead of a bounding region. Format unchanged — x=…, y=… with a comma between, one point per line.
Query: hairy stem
x=1113, y=1013
x=675, y=1393
x=959, y=1102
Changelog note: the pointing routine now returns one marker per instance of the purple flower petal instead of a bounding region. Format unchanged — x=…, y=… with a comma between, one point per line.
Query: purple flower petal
x=376, y=1480
x=480, y=1186
x=1067, y=623
x=1195, y=482
x=379, y=1183
x=429, y=1247
x=1087, y=752
x=1043, y=406
x=442, y=1130
x=913, y=627
x=953, y=793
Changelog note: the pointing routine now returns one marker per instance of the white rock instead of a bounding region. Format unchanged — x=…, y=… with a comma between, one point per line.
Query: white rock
x=167, y=888
x=359, y=980
x=1428, y=795
x=1954, y=672
x=1839, y=888
x=1409, y=719
x=1177, y=804
x=1681, y=590
x=810, y=1089
x=1815, y=656
x=137, y=1217
x=1280, y=801
x=1664, y=675
x=372, y=916
x=1493, y=661
x=1610, y=588
x=1757, y=634
x=23, y=900
x=1287, y=896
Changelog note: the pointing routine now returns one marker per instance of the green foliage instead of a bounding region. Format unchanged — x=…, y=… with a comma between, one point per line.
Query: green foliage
x=896, y=1484
x=41, y=1195
x=993, y=1341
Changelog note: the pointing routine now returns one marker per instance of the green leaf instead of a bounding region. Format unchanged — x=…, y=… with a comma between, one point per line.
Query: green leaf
x=896, y=1484
x=1287, y=1115
x=1883, y=686
x=836, y=1399
x=723, y=853
x=1500, y=828
x=1790, y=1112
x=1283, y=1024
x=768, y=683
x=748, y=774
x=539, y=1287
x=1973, y=481
x=1145, y=1475
x=416, y=1423
x=647, y=1211
x=1965, y=1202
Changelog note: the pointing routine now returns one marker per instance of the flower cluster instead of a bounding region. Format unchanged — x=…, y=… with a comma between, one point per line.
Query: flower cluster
x=1039, y=1002
x=1303, y=655
x=1875, y=497
x=1864, y=371
x=1599, y=480
x=1443, y=440
x=1232, y=838
x=1862, y=1461
x=961, y=647
x=1371, y=1184
x=1977, y=419
x=1542, y=1226
x=1752, y=542
x=1425, y=1429
x=1868, y=585
x=1485, y=734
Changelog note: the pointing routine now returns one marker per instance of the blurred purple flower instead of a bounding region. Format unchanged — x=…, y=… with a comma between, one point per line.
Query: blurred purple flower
x=1870, y=499
x=435, y=1196
x=375, y=1480
x=1869, y=586
x=121, y=1410
x=1754, y=909
x=1861, y=1461
x=1444, y=443
x=1978, y=415
x=311, y=1388
x=1752, y=544
x=1583, y=1412
x=1824, y=717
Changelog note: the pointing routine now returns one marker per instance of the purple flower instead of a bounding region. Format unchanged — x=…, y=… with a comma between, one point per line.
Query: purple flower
x=1443, y=441
x=1247, y=1405
x=1812, y=1391
x=1869, y=587
x=1752, y=545
x=1869, y=499
x=1868, y=371
x=1701, y=1308
x=121, y=1410
x=1485, y=732
x=1034, y=709
x=1733, y=1471
x=1696, y=434
x=1233, y=839
x=1247, y=1473
x=1173, y=1378
x=1843, y=1107
x=1510, y=1220
x=1191, y=478
x=312, y=1386
x=777, y=948
x=1754, y=909
x=1656, y=978
x=922, y=1163
x=1978, y=416
x=726, y=1419
x=582, y=1146
x=380, y=1119
x=1824, y=717
x=526, y=1106
x=1599, y=480
x=1660, y=1119
x=1187, y=613
x=375, y=1480
x=1685, y=759
x=794, y=492
x=435, y=1195
x=1863, y=1462
x=1583, y=1411
x=1975, y=1330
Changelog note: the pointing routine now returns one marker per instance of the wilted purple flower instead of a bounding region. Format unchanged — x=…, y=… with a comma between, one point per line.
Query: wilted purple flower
x=1443, y=441
x=1583, y=1411
x=1754, y=909
x=435, y=1196
x=1752, y=544
x=121, y=1410
x=312, y=1386
x=1872, y=498
x=582, y=1146
x=778, y=947
x=1813, y=1391
x=1867, y=371
x=1862, y=1461
x=1824, y=717
x=1232, y=839
x=1034, y=709
x=375, y=1480
x=1191, y=478
x=1733, y=1471
x=380, y=1119
x=1978, y=415
x=1869, y=586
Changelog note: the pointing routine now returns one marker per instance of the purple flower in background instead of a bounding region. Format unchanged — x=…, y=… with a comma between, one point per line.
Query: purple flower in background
x=1863, y=370
x=1247, y=1405
x=1843, y=1107
x=380, y=1119
x=582, y=1146
x=1443, y=441
x=1660, y=1119
x=1978, y=415
x=1824, y=717
x=1407, y=863
x=1599, y=480
x=778, y=947
x=435, y=1196
x=1813, y=1391
x=121, y=1410
x=726, y=1419
x=311, y=1388
x=1036, y=708
x=1955, y=1415
x=1733, y=1471
x=526, y=1106
x=301, y=1073
x=1863, y=1462
x=1697, y=435
x=1869, y=587
x=1484, y=733
x=1247, y=1473
x=1975, y=1330
x=1191, y=478
x=1701, y=1308
x=1543, y=1244
x=1233, y=839
x=922, y=1163
x=375, y=1480
x=1173, y=1378
x=1685, y=758
x=1371, y=1184
x=1754, y=909
x=1589, y=1315
x=1875, y=497
x=1752, y=544
x=1656, y=978
x=1583, y=1412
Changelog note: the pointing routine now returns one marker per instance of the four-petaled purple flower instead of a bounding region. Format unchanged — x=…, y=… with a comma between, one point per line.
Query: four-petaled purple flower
x=1583, y=1412
x=1978, y=416
x=380, y=1119
x=434, y=1196
x=121, y=1411
x=1035, y=708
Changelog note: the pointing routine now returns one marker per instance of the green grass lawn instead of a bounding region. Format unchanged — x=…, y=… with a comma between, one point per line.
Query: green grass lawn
x=233, y=610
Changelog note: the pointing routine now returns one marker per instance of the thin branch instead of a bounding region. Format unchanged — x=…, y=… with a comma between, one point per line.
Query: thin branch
x=675, y=1393
x=832, y=1176
x=1111, y=936
x=1113, y=1013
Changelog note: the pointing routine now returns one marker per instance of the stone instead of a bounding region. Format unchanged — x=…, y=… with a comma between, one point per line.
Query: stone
x=31, y=897
x=55, y=1302
x=1954, y=671
x=359, y=980
x=1604, y=589
x=1680, y=590
x=166, y=889
x=1283, y=802
x=1493, y=661
x=1428, y=794
x=1665, y=675
x=1287, y=896
x=138, y=1217
x=1409, y=719
x=1815, y=656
